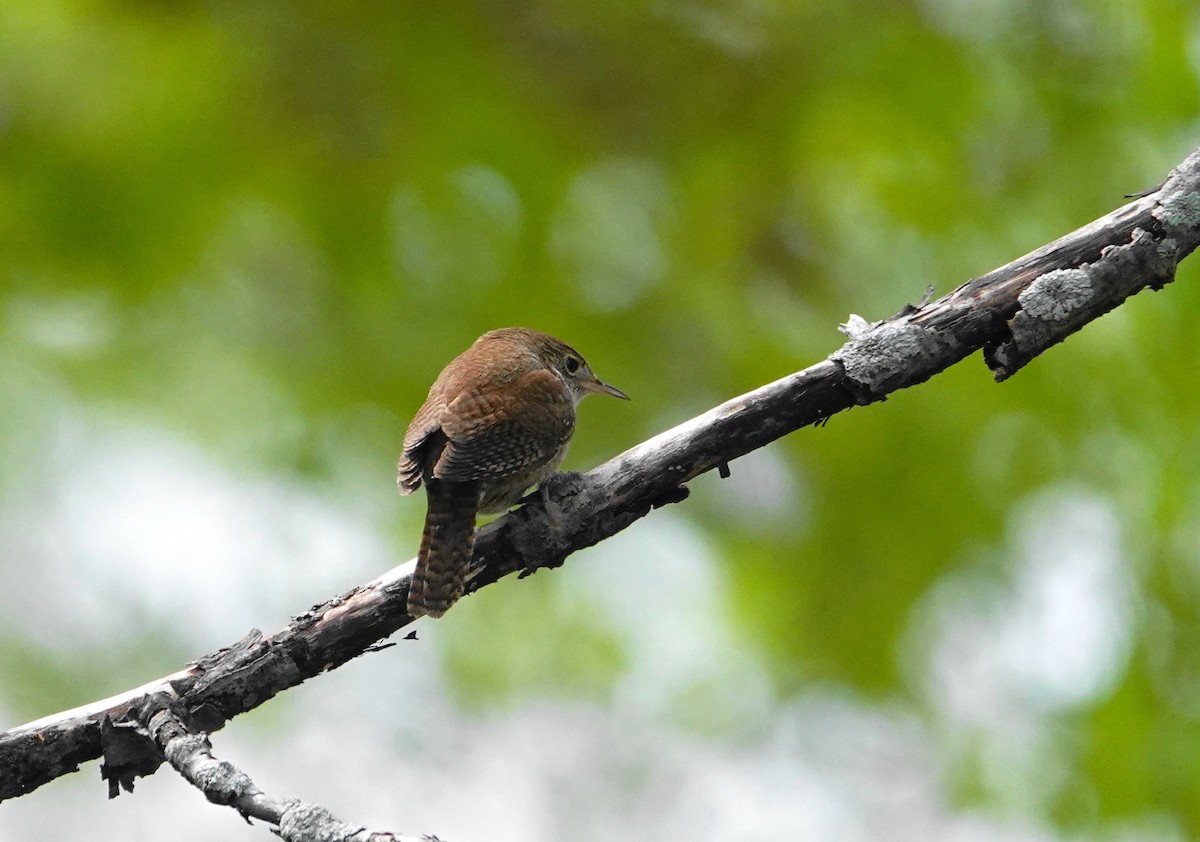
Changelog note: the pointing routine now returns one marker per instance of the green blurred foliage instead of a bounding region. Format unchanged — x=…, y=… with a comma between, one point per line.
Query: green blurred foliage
x=268, y=225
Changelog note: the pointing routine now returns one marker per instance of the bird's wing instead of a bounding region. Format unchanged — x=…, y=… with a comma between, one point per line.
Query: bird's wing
x=506, y=428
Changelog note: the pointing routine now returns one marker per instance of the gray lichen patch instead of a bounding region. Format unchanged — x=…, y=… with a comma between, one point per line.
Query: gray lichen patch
x=1179, y=209
x=1053, y=306
x=892, y=354
x=1061, y=301
x=1056, y=295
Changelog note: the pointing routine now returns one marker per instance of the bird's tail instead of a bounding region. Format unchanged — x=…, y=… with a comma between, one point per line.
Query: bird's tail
x=446, y=546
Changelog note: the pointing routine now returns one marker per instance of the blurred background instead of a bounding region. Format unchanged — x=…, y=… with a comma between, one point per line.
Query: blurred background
x=240, y=239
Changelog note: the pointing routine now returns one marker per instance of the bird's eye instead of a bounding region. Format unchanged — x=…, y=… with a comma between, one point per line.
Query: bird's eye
x=572, y=365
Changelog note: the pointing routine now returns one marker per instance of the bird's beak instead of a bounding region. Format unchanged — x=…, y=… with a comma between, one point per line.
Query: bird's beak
x=602, y=388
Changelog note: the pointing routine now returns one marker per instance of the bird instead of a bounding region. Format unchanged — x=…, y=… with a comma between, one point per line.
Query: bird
x=497, y=421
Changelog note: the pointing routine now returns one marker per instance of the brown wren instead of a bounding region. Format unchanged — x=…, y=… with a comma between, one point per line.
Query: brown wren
x=497, y=421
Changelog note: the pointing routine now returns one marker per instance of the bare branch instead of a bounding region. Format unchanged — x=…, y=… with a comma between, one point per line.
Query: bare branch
x=1013, y=314
x=223, y=783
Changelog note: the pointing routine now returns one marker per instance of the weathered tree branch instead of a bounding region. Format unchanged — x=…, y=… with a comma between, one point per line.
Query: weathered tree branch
x=1012, y=313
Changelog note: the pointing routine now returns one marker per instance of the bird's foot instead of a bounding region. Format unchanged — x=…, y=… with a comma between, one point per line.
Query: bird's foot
x=561, y=495
x=558, y=493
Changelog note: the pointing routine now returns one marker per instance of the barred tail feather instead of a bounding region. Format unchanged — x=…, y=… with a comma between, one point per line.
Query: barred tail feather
x=446, y=546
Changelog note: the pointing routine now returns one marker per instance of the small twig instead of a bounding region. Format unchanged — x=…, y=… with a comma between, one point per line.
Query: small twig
x=379, y=647
x=221, y=782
